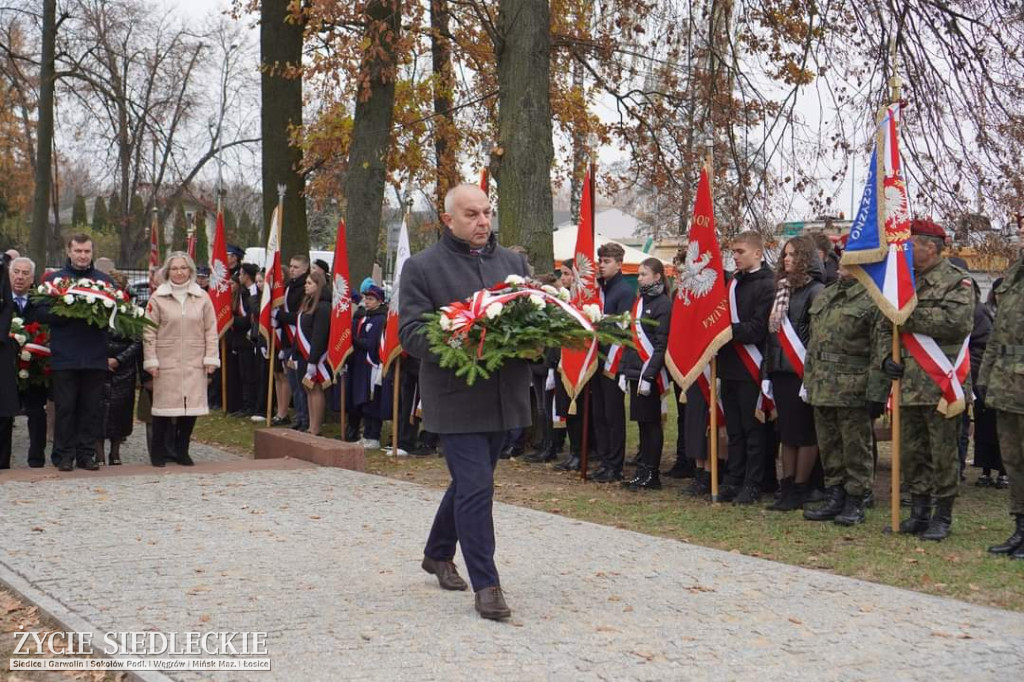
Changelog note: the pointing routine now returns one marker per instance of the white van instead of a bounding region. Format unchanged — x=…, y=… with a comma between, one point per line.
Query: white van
x=258, y=254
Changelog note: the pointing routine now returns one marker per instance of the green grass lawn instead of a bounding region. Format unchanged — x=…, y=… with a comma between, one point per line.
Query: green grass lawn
x=958, y=567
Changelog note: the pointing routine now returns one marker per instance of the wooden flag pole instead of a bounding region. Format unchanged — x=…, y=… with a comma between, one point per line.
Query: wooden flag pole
x=394, y=406
x=713, y=449
x=895, y=502
x=270, y=376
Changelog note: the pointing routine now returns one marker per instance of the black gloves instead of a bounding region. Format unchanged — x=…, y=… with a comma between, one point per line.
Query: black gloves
x=891, y=369
x=875, y=409
x=980, y=392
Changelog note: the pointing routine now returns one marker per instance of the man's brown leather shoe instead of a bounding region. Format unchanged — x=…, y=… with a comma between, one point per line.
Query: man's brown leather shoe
x=490, y=603
x=447, y=576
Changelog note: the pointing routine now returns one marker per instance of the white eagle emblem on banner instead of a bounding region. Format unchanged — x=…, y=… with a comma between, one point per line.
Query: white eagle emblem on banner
x=340, y=299
x=218, y=276
x=695, y=277
x=585, y=279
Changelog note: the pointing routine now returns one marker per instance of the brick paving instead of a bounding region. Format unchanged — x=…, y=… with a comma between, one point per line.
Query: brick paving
x=327, y=562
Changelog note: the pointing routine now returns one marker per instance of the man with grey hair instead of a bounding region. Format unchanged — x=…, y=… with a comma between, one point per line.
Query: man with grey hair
x=471, y=420
x=32, y=398
x=78, y=363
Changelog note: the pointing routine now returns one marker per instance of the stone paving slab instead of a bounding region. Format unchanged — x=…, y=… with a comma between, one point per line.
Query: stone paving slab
x=327, y=562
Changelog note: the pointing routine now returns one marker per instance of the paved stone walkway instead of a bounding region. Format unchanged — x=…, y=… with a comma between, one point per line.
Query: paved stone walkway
x=327, y=562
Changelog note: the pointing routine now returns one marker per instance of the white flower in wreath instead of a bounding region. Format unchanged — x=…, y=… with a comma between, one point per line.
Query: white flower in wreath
x=90, y=299
x=41, y=289
x=593, y=312
x=515, y=280
x=564, y=294
x=139, y=312
x=538, y=301
x=21, y=339
x=548, y=289
x=23, y=374
x=26, y=356
x=445, y=322
x=494, y=310
x=69, y=299
x=109, y=303
x=17, y=321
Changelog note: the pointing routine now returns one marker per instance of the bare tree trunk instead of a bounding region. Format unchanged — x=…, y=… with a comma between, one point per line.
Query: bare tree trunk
x=579, y=150
x=371, y=133
x=446, y=135
x=280, y=48
x=44, y=135
x=523, y=171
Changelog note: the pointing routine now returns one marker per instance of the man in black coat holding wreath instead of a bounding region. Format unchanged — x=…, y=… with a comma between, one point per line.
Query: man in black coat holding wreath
x=471, y=420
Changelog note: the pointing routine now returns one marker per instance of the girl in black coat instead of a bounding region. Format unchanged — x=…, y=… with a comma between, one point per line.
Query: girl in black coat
x=119, y=388
x=643, y=368
x=313, y=328
x=798, y=282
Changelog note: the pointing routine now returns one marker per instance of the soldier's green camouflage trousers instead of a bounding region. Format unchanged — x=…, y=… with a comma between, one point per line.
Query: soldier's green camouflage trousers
x=929, y=452
x=844, y=440
x=1011, y=447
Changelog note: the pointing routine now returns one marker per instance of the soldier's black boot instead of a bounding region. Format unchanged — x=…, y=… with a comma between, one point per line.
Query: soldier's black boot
x=782, y=497
x=853, y=511
x=835, y=499
x=1014, y=542
x=942, y=519
x=920, y=515
x=700, y=485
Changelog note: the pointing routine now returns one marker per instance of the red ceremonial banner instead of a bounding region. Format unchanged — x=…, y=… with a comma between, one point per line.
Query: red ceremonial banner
x=220, y=278
x=339, y=344
x=390, y=346
x=700, y=322
x=273, y=278
x=578, y=366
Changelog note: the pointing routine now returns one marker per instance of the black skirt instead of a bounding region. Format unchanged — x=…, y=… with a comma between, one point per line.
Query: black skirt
x=644, y=408
x=796, y=418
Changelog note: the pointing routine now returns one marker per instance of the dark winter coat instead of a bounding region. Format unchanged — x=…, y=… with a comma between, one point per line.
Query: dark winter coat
x=445, y=272
x=119, y=389
x=75, y=344
x=979, y=337
x=243, y=304
x=799, y=315
x=287, y=314
x=657, y=309
x=316, y=328
x=755, y=294
x=831, y=269
x=8, y=348
x=366, y=332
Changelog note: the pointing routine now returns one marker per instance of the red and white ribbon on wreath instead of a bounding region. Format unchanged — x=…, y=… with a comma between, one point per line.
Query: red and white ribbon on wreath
x=81, y=288
x=322, y=374
x=947, y=376
x=463, y=315
x=795, y=352
x=751, y=358
x=36, y=349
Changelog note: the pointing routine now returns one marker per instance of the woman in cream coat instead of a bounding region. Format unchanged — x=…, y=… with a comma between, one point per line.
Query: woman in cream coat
x=181, y=351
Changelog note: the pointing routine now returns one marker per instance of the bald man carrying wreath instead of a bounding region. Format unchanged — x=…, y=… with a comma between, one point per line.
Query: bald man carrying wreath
x=471, y=420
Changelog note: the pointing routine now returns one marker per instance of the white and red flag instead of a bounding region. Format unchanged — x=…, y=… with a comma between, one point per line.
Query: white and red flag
x=390, y=346
x=700, y=322
x=879, y=251
x=578, y=366
x=339, y=345
x=273, y=277
x=220, y=278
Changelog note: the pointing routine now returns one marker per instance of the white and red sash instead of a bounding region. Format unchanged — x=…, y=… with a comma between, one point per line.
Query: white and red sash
x=947, y=376
x=794, y=349
x=645, y=348
x=751, y=357
x=322, y=376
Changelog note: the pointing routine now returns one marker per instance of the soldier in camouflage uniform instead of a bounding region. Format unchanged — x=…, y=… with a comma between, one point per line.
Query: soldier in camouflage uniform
x=1001, y=386
x=837, y=369
x=945, y=311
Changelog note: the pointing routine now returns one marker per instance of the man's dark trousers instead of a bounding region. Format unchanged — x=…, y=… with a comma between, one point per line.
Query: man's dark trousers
x=76, y=395
x=608, y=416
x=746, y=433
x=33, y=401
x=464, y=515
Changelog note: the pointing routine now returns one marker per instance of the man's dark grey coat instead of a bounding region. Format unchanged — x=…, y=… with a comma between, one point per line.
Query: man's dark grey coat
x=445, y=272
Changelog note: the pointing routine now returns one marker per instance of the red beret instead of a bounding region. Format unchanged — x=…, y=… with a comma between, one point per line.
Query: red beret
x=926, y=228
